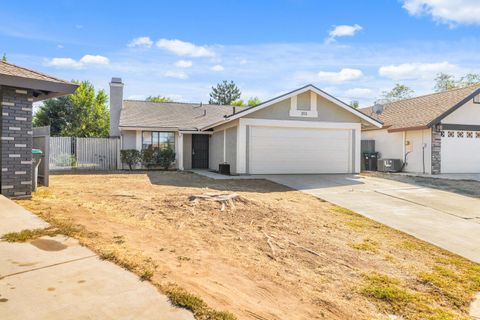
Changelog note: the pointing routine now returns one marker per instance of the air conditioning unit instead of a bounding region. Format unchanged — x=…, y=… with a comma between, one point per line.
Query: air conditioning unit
x=389, y=165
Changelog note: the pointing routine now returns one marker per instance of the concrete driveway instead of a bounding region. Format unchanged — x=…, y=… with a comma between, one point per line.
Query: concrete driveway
x=445, y=219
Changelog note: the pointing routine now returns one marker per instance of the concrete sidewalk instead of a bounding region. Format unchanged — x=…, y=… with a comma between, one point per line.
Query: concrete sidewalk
x=57, y=278
x=446, y=219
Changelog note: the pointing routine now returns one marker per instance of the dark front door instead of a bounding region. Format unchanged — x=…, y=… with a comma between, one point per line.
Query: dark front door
x=200, y=151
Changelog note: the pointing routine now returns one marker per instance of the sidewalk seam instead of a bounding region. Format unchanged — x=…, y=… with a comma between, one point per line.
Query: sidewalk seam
x=45, y=267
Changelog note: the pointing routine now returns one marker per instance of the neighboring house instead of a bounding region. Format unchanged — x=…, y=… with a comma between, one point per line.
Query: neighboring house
x=435, y=133
x=303, y=131
x=19, y=88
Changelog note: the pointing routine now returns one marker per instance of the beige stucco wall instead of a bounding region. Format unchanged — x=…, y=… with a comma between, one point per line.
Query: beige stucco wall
x=129, y=139
x=392, y=146
x=421, y=151
x=231, y=149
x=327, y=111
x=389, y=145
x=469, y=113
x=215, y=156
x=187, y=151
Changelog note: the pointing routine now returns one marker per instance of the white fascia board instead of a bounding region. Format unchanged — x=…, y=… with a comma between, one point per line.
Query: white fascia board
x=294, y=93
x=301, y=124
x=149, y=129
x=195, y=132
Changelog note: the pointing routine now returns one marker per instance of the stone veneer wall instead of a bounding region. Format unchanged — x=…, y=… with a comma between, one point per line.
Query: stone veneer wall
x=436, y=148
x=16, y=142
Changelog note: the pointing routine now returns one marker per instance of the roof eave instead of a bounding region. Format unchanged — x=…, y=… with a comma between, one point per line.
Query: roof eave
x=320, y=92
x=438, y=119
x=49, y=89
x=421, y=127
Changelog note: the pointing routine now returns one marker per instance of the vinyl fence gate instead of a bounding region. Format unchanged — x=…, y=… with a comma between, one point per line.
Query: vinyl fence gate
x=67, y=153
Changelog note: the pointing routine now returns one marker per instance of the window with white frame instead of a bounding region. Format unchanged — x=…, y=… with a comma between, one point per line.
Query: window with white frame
x=158, y=140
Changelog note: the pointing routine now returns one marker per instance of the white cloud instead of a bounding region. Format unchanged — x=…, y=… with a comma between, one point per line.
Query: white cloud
x=69, y=63
x=59, y=46
x=415, y=70
x=346, y=74
x=343, y=31
x=217, y=68
x=141, y=42
x=446, y=11
x=243, y=61
x=64, y=63
x=175, y=74
x=184, y=63
x=359, y=93
x=183, y=48
x=94, y=59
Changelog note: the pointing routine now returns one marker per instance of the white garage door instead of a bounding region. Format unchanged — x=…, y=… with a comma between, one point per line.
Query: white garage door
x=460, y=151
x=299, y=150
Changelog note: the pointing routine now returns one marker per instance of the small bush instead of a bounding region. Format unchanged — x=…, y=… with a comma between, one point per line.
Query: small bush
x=165, y=158
x=149, y=157
x=131, y=157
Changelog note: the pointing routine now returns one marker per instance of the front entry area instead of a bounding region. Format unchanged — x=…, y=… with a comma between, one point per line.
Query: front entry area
x=283, y=150
x=200, y=151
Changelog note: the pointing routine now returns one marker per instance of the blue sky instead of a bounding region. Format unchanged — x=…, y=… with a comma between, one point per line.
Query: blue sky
x=352, y=49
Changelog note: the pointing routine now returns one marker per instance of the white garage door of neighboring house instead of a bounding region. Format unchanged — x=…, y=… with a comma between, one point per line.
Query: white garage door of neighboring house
x=299, y=150
x=460, y=151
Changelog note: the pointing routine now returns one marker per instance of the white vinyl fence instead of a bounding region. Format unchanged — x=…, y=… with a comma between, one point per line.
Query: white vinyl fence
x=67, y=153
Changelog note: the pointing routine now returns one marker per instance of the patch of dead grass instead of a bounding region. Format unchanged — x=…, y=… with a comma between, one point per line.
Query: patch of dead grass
x=323, y=253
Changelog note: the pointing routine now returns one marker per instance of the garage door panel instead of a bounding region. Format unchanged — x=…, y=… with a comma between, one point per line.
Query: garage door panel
x=299, y=150
x=460, y=152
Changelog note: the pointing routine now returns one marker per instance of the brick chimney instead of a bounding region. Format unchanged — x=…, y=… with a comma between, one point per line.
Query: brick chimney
x=116, y=103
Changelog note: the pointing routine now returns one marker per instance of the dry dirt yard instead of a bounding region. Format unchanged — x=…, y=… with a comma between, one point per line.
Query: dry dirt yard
x=278, y=254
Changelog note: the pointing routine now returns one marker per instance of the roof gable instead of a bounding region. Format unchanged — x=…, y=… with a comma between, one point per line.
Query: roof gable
x=297, y=92
x=423, y=111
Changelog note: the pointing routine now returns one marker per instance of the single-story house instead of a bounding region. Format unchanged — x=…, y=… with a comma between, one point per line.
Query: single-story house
x=19, y=88
x=302, y=131
x=432, y=134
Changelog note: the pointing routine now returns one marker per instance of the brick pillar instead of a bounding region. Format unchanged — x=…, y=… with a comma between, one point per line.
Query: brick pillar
x=436, y=148
x=16, y=142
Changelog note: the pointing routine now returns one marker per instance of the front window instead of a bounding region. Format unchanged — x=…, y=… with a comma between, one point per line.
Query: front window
x=158, y=140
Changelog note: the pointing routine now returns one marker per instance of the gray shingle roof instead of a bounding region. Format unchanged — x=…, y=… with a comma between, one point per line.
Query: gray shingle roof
x=182, y=116
x=419, y=112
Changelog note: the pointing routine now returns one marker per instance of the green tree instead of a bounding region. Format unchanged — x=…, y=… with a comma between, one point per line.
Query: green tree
x=444, y=82
x=224, y=93
x=82, y=114
x=238, y=103
x=398, y=92
x=354, y=104
x=158, y=99
x=4, y=57
x=469, y=79
x=253, y=102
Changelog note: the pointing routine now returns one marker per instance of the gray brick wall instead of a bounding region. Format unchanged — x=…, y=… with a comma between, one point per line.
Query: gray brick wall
x=436, y=148
x=16, y=142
